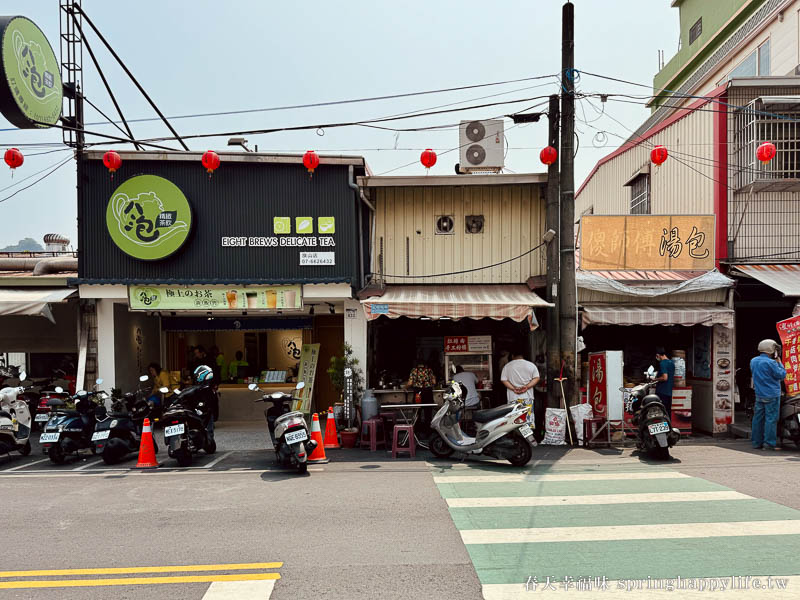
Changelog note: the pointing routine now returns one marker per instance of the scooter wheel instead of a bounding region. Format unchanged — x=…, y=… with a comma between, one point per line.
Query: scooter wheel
x=211, y=447
x=26, y=449
x=661, y=453
x=302, y=468
x=56, y=454
x=438, y=446
x=184, y=457
x=524, y=451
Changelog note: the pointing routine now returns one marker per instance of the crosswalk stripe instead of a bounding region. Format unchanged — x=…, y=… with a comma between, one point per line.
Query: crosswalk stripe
x=135, y=570
x=595, y=499
x=514, y=477
x=737, y=588
x=538, y=535
x=240, y=590
x=123, y=581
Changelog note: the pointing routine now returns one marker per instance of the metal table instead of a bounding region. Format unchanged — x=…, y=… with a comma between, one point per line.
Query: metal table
x=410, y=414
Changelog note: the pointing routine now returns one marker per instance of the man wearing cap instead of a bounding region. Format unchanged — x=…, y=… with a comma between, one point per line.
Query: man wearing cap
x=768, y=373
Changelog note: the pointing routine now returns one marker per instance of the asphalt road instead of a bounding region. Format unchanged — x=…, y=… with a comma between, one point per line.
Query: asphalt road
x=361, y=526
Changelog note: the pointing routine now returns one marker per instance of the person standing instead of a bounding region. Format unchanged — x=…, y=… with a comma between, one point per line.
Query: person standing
x=233, y=368
x=768, y=373
x=666, y=380
x=220, y=364
x=421, y=380
x=470, y=381
x=519, y=376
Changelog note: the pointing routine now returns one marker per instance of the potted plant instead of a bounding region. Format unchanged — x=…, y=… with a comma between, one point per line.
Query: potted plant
x=336, y=370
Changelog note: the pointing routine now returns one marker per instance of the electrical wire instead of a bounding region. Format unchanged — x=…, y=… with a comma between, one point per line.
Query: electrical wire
x=43, y=177
x=24, y=179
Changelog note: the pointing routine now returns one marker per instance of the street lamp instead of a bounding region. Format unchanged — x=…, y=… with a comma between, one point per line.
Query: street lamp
x=239, y=141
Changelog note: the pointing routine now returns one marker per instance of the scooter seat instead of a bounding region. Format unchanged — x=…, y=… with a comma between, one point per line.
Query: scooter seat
x=484, y=416
x=5, y=414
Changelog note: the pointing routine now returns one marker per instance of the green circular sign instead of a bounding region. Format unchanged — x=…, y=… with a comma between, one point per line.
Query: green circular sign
x=30, y=81
x=148, y=217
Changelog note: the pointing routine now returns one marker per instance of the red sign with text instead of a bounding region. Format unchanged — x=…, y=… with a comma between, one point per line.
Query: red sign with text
x=789, y=332
x=598, y=390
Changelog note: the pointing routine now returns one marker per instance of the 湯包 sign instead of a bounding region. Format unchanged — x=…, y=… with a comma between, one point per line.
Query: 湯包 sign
x=647, y=242
x=472, y=343
x=31, y=91
x=148, y=217
x=218, y=298
x=789, y=332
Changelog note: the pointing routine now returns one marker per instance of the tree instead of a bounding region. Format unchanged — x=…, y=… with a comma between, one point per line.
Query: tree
x=25, y=245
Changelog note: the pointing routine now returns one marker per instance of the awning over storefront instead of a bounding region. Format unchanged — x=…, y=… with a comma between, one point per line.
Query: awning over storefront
x=456, y=302
x=657, y=315
x=784, y=278
x=32, y=302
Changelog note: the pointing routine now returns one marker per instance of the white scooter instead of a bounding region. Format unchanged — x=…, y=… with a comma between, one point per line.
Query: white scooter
x=15, y=421
x=503, y=432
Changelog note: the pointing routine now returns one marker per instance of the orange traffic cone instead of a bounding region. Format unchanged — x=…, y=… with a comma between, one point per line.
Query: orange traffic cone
x=147, y=453
x=331, y=438
x=318, y=456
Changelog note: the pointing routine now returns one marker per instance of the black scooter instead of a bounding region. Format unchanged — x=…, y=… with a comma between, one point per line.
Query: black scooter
x=188, y=422
x=119, y=432
x=654, y=432
x=69, y=431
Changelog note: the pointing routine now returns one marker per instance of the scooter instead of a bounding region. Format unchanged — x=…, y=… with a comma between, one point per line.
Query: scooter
x=118, y=432
x=188, y=423
x=288, y=430
x=654, y=432
x=15, y=421
x=69, y=431
x=503, y=432
x=789, y=420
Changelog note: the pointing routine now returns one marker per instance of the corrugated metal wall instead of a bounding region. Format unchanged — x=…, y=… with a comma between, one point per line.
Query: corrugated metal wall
x=240, y=199
x=406, y=223
x=682, y=185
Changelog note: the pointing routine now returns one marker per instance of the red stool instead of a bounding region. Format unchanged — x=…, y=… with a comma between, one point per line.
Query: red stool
x=369, y=433
x=412, y=446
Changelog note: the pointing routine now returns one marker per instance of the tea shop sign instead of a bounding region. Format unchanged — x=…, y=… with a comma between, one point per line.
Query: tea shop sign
x=647, y=242
x=218, y=298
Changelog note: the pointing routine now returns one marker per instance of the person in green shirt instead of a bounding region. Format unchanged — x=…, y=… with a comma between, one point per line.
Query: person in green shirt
x=220, y=366
x=233, y=368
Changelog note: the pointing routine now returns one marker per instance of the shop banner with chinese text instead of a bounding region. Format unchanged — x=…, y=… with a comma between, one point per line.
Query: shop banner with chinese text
x=597, y=384
x=789, y=332
x=647, y=242
x=309, y=356
x=471, y=344
x=179, y=297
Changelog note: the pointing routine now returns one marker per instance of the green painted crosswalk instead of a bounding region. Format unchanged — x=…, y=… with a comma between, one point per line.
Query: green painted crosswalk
x=547, y=526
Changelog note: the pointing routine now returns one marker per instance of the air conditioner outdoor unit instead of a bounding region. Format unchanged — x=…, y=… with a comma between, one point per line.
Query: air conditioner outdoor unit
x=481, y=146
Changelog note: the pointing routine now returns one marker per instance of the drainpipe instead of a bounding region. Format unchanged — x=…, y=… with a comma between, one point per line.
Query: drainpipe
x=47, y=266
x=351, y=181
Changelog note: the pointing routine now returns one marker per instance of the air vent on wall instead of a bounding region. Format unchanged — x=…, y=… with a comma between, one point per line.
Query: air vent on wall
x=474, y=223
x=444, y=224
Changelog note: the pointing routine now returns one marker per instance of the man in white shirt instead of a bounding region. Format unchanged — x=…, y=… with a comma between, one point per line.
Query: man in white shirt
x=469, y=381
x=519, y=376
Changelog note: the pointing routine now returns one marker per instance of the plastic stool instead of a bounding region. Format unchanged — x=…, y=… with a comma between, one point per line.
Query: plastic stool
x=412, y=446
x=369, y=433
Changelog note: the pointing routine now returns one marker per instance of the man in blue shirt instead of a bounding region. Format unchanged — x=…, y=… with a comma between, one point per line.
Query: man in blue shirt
x=768, y=373
x=666, y=379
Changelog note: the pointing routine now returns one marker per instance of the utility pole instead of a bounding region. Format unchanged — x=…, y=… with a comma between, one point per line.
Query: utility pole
x=568, y=316
x=553, y=262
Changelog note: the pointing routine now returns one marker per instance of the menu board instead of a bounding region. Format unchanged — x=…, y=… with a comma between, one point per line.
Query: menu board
x=723, y=378
x=789, y=332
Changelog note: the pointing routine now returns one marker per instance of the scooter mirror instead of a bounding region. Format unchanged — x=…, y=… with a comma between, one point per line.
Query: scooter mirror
x=300, y=386
x=453, y=369
x=143, y=378
x=651, y=372
x=99, y=381
x=164, y=390
x=252, y=387
x=176, y=391
x=23, y=376
x=59, y=390
x=81, y=393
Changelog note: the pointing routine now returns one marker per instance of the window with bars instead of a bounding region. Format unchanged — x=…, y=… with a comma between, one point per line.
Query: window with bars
x=640, y=195
x=696, y=30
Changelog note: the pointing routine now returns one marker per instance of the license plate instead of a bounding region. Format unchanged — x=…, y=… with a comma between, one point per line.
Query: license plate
x=525, y=430
x=173, y=430
x=101, y=435
x=48, y=438
x=43, y=417
x=657, y=428
x=296, y=436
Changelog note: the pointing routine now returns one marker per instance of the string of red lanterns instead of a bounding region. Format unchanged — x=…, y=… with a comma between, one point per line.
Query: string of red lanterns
x=210, y=161
x=310, y=162
x=13, y=158
x=548, y=155
x=427, y=158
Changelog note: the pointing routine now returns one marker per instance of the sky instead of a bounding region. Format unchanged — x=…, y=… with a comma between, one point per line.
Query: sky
x=198, y=56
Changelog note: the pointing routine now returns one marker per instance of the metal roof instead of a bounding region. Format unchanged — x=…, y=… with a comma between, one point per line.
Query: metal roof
x=784, y=278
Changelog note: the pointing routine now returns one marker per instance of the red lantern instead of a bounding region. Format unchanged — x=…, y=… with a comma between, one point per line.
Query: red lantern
x=766, y=152
x=548, y=155
x=210, y=161
x=14, y=159
x=428, y=158
x=112, y=162
x=659, y=154
x=310, y=161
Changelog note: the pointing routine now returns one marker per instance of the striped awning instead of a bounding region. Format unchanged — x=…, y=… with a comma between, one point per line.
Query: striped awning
x=784, y=278
x=658, y=315
x=456, y=302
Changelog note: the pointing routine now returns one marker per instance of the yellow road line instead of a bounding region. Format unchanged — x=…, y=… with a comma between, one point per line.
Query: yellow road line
x=134, y=570
x=55, y=583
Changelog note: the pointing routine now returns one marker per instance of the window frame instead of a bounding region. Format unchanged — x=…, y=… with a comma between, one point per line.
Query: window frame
x=695, y=31
x=640, y=196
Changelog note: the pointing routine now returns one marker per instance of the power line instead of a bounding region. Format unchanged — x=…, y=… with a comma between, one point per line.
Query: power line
x=43, y=177
x=24, y=179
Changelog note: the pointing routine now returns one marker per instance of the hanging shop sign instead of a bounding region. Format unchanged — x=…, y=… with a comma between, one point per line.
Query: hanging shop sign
x=647, y=242
x=148, y=217
x=300, y=233
x=789, y=332
x=217, y=298
x=30, y=82
x=309, y=357
x=470, y=344
x=597, y=385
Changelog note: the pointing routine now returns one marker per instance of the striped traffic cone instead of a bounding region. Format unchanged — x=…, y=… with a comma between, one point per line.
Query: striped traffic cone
x=318, y=455
x=147, y=453
x=331, y=437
